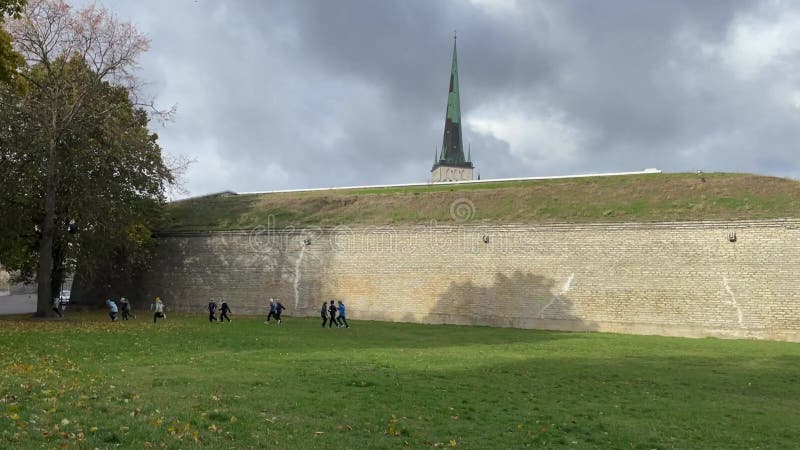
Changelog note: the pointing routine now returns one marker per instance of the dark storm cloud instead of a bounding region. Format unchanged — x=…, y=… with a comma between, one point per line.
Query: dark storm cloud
x=293, y=94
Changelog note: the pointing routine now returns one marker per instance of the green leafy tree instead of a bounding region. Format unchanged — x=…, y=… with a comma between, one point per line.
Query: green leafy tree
x=83, y=176
x=10, y=60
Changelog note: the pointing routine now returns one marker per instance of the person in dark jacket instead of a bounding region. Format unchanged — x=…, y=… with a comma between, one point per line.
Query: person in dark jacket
x=212, y=311
x=126, y=309
x=223, y=312
x=271, y=309
x=332, y=312
x=324, y=313
x=278, y=310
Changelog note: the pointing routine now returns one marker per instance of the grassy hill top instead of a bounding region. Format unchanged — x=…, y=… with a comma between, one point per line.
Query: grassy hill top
x=633, y=198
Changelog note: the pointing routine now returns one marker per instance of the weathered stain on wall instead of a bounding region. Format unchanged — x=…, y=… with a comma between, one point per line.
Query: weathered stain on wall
x=682, y=279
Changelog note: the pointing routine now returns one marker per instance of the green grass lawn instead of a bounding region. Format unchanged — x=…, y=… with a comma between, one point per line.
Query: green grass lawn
x=83, y=382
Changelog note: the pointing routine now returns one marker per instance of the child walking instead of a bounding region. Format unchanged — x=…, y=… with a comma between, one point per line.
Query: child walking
x=271, y=309
x=126, y=309
x=112, y=310
x=278, y=310
x=324, y=314
x=212, y=311
x=332, y=312
x=342, y=318
x=158, y=307
x=223, y=312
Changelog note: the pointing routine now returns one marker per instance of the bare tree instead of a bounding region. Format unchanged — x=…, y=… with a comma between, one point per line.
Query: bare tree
x=51, y=35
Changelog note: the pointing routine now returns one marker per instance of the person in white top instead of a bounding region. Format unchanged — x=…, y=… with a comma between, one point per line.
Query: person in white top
x=158, y=307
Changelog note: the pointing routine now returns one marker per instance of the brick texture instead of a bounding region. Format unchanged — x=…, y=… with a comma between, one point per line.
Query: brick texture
x=679, y=279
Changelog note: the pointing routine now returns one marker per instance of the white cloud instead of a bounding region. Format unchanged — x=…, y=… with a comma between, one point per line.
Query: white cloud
x=538, y=139
x=500, y=7
x=210, y=170
x=762, y=39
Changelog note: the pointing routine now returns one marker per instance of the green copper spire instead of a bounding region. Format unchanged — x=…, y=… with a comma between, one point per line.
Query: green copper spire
x=453, y=101
x=452, y=146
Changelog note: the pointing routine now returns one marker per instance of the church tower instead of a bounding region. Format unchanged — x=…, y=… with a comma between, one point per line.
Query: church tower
x=450, y=164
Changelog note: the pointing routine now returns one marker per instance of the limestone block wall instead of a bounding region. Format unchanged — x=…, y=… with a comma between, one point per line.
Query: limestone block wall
x=682, y=279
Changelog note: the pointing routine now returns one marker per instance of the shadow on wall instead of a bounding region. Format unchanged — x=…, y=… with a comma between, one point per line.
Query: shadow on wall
x=189, y=271
x=91, y=288
x=519, y=300
x=244, y=269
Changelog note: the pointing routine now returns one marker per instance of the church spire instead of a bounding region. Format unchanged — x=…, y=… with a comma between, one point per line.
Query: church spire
x=451, y=164
x=452, y=146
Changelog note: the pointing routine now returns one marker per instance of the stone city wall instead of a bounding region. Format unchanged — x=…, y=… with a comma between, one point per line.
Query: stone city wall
x=725, y=279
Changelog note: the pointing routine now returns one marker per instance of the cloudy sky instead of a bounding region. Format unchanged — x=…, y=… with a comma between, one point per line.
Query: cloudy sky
x=319, y=93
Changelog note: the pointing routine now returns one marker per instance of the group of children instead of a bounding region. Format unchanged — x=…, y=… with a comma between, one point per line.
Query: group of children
x=328, y=313
x=127, y=312
x=124, y=305
x=276, y=308
x=224, y=310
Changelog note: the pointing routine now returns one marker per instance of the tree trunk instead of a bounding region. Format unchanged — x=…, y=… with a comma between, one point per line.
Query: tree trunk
x=44, y=298
x=58, y=273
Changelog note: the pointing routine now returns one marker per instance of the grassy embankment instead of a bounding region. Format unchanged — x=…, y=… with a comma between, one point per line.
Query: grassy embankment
x=84, y=382
x=638, y=198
